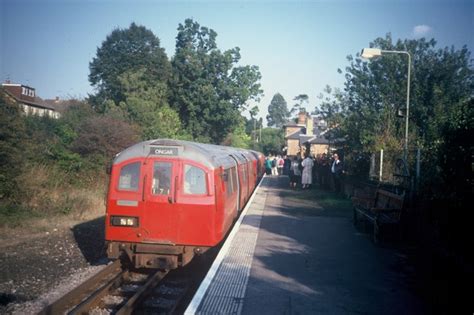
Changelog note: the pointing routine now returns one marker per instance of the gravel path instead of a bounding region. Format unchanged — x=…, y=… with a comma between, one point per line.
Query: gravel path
x=37, y=269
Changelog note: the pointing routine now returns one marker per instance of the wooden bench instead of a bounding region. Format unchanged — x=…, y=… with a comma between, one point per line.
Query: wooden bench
x=385, y=208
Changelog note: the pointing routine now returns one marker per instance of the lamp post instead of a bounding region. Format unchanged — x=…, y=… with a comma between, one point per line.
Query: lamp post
x=369, y=53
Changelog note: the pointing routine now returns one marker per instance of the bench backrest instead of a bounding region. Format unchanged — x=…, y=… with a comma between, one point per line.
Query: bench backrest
x=387, y=200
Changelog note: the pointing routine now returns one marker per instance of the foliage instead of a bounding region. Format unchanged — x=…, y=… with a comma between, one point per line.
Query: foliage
x=207, y=88
x=146, y=105
x=455, y=156
x=365, y=112
x=277, y=111
x=272, y=141
x=104, y=136
x=12, y=134
x=125, y=50
x=238, y=138
x=253, y=125
x=299, y=106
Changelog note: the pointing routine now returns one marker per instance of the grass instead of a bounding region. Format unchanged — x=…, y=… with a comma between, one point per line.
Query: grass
x=330, y=200
x=49, y=195
x=315, y=201
x=13, y=215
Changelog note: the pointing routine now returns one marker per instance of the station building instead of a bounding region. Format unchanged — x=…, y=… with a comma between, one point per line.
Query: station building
x=307, y=132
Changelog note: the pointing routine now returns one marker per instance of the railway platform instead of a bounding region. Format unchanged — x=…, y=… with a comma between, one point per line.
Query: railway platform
x=288, y=254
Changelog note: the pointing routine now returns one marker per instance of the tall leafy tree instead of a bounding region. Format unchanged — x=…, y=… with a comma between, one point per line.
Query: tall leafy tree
x=277, y=111
x=272, y=141
x=366, y=111
x=145, y=104
x=253, y=124
x=12, y=135
x=207, y=88
x=130, y=49
x=376, y=90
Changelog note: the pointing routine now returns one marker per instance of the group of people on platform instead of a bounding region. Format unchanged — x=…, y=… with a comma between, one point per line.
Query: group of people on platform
x=320, y=169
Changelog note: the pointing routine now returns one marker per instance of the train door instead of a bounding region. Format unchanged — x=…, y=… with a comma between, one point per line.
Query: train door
x=160, y=214
x=238, y=178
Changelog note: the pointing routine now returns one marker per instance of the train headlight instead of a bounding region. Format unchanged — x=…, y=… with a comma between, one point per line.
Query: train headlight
x=124, y=221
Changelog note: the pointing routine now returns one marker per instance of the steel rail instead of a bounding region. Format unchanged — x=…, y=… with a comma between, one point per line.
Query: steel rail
x=129, y=307
x=94, y=300
x=78, y=294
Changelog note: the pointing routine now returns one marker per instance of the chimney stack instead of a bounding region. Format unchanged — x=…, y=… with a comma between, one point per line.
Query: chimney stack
x=302, y=118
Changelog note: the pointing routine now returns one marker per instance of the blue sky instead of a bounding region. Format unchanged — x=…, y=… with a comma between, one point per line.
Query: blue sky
x=298, y=45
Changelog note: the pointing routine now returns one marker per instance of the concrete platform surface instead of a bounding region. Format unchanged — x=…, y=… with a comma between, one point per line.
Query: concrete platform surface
x=293, y=256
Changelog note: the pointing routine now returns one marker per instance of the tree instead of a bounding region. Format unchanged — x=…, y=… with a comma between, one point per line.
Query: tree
x=124, y=50
x=365, y=113
x=277, y=111
x=12, y=134
x=145, y=104
x=253, y=124
x=103, y=136
x=238, y=138
x=299, y=106
x=272, y=141
x=207, y=89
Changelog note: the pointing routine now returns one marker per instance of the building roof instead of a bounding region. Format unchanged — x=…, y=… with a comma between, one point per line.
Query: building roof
x=318, y=140
x=16, y=91
x=292, y=124
x=305, y=138
x=296, y=135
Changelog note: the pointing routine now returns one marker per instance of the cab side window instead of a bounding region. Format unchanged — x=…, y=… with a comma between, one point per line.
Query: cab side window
x=194, y=180
x=161, y=178
x=129, y=177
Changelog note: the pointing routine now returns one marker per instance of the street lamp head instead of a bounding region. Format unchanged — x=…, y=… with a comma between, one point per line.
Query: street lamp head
x=371, y=53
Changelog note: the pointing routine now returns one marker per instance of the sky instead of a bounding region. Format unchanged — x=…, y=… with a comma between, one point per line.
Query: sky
x=297, y=45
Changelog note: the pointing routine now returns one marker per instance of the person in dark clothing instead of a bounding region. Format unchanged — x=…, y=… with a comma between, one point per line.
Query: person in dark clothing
x=337, y=168
x=286, y=165
x=268, y=166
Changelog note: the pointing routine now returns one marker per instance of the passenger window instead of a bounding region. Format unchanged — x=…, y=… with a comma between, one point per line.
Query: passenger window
x=129, y=177
x=234, y=179
x=161, y=178
x=194, y=180
x=228, y=182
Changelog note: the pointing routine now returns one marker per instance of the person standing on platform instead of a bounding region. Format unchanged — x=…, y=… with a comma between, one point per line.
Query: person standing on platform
x=286, y=165
x=274, y=165
x=295, y=173
x=336, y=171
x=307, y=174
x=280, y=164
x=268, y=166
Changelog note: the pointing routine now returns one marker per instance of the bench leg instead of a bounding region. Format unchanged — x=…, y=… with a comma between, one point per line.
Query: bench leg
x=376, y=232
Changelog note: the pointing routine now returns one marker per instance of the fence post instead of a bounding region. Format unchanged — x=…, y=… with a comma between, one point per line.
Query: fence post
x=381, y=165
x=418, y=163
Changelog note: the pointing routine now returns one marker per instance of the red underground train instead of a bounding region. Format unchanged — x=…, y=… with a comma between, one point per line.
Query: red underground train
x=169, y=200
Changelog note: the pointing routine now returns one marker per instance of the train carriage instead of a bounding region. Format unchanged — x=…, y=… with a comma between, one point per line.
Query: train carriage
x=170, y=199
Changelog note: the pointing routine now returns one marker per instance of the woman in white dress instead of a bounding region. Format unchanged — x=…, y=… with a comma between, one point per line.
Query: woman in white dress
x=307, y=176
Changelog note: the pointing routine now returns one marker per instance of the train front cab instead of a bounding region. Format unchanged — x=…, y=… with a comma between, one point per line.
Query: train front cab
x=156, y=204
x=162, y=210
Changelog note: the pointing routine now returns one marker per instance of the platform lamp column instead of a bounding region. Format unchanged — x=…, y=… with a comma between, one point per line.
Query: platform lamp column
x=369, y=53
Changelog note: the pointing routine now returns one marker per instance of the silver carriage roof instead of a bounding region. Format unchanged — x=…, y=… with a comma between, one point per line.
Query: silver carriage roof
x=212, y=156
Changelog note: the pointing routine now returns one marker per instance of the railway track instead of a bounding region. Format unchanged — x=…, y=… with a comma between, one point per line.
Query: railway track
x=117, y=290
